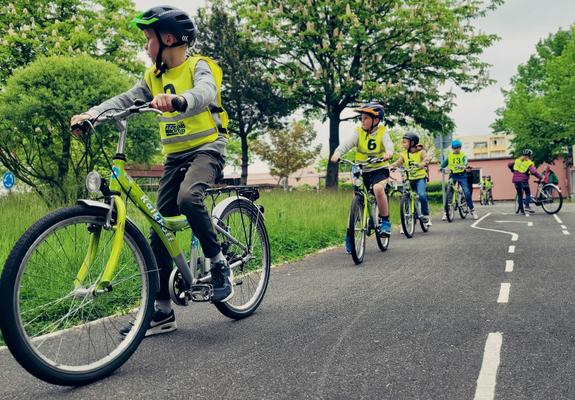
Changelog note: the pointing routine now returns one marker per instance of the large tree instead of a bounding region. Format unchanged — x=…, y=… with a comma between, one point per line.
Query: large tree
x=329, y=53
x=35, y=110
x=33, y=28
x=253, y=103
x=539, y=106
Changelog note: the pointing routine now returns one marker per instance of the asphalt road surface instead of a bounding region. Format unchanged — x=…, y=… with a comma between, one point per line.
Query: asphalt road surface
x=462, y=312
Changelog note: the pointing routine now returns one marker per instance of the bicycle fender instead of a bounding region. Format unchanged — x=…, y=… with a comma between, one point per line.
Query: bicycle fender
x=221, y=206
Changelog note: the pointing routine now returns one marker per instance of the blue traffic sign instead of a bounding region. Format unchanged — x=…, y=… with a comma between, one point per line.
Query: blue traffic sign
x=8, y=180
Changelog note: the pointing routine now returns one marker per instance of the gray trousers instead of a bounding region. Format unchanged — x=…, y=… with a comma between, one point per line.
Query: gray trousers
x=182, y=191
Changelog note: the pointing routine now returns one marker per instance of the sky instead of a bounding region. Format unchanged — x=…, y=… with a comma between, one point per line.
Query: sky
x=520, y=25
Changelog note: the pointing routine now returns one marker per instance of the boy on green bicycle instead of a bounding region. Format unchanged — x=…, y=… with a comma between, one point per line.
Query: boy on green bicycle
x=416, y=159
x=194, y=142
x=456, y=162
x=371, y=140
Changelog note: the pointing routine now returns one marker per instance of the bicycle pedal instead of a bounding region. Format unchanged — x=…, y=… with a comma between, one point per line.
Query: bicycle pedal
x=201, y=293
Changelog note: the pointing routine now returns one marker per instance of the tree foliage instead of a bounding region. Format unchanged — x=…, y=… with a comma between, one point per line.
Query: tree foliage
x=33, y=28
x=253, y=103
x=35, y=110
x=332, y=53
x=539, y=106
x=288, y=150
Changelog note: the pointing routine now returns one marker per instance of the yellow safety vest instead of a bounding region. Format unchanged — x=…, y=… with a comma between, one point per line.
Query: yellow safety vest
x=182, y=131
x=455, y=162
x=370, y=145
x=522, y=165
x=414, y=158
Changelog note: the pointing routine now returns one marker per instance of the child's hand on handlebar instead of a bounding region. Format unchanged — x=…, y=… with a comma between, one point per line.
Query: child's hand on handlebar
x=75, y=122
x=164, y=102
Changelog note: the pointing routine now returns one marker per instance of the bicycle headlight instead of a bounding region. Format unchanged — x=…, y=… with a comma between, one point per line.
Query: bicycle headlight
x=356, y=175
x=93, y=182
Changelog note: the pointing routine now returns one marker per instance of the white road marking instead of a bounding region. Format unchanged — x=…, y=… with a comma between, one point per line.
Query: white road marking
x=514, y=236
x=512, y=249
x=517, y=222
x=557, y=218
x=487, y=379
x=563, y=227
x=509, y=265
x=566, y=233
x=504, y=293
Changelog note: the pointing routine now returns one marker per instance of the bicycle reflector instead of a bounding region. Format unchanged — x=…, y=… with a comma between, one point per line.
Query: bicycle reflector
x=93, y=182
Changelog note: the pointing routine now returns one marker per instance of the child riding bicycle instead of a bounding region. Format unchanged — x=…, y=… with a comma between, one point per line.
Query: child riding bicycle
x=416, y=160
x=194, y=142
x=371, y=140
x=522, y=168
x=456, y=162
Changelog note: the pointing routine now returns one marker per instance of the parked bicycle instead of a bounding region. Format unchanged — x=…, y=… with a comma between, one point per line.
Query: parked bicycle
x=548, y=196
x=454, y=199
x=410, y=207
x=363, y=215
x=80, y=274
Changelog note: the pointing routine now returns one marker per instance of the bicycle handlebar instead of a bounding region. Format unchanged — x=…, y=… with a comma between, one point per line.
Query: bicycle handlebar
x=361, y=164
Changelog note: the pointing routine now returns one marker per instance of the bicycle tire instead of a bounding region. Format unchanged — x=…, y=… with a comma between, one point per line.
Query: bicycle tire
x=449, y=206
x=463, y=208
x=550, y=188
x=256, y=273
x=26, y=305
x=424, y=226
x=407, y=219
x=356, y=232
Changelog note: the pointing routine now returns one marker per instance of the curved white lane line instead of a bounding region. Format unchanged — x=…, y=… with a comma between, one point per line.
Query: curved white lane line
x=514, y=236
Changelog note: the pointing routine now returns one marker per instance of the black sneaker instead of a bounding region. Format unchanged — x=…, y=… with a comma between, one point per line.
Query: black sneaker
x=160, y=323
x=222, y=281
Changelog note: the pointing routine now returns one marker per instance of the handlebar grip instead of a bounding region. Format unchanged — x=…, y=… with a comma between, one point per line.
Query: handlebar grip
x=82, y=126
x=179, y=104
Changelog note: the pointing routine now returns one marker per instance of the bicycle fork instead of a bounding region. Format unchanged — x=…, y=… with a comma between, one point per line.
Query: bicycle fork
x=102, y=284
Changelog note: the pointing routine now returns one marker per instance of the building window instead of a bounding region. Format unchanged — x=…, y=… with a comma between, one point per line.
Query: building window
x=480, y=145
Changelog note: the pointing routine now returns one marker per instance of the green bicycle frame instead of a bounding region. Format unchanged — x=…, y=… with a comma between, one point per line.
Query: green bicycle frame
x=122, y=182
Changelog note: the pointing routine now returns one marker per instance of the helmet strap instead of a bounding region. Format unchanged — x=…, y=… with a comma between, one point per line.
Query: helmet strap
x=161, y=66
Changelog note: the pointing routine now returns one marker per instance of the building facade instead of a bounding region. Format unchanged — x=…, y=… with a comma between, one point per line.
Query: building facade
x=486, y=146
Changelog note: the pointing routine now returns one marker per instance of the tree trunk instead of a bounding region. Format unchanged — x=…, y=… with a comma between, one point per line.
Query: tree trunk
x=245, y=160
x=331, y=180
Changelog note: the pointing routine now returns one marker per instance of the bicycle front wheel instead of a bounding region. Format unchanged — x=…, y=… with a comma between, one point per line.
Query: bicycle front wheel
x=463, y=208
x=449, y=206
x=551, y=199
x=62, y=330
x=247, y=249
x=406, y=216
x=357, y=232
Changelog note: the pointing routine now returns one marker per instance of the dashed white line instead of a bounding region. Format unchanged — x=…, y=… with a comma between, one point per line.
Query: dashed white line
x=509, y=265
x=504, y=293
x=557, y=218
x=566, y=232
x=563, y=227
x=487, y=379
x=512, y=249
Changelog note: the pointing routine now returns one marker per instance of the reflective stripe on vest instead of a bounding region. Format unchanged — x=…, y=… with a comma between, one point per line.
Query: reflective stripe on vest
x=455, y=162
x=370, y=145
x=184, y=131
x=522, y=165
x=409, y=159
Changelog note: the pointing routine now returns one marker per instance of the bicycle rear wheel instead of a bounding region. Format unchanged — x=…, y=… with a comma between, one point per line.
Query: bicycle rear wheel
x=243, y=221
x=406, y=216
x=59, y=331
x=463, y=208
x=551, y=199
x=356, y=231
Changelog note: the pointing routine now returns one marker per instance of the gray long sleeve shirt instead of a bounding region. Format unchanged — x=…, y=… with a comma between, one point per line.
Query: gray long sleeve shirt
x=202, y=95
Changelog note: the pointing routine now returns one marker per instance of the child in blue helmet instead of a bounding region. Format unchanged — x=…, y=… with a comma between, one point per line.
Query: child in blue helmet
x=456, y=161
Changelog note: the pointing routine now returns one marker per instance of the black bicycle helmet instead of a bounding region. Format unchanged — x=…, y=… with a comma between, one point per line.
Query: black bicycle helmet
x=413, y=139
x=527, y=152
x=167, y=19
x=371, y=108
